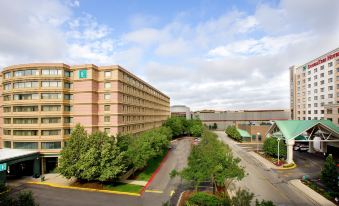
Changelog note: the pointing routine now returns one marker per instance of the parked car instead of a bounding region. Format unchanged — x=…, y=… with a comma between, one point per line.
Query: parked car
x=296, y=147
x=303, y=147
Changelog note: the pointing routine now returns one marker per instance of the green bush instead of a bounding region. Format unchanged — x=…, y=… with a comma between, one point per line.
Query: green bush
x=204, y=199
x=232, y=132
x=329, y=174
x=270, y=147
x=264, y=203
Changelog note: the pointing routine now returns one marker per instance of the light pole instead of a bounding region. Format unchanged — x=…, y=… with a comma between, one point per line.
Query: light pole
x=278, y=149
x=258, y=142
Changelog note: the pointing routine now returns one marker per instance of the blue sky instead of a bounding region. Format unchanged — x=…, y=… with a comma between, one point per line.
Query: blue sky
x=222, y=55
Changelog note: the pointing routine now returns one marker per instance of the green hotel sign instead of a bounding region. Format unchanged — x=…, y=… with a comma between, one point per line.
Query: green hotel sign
x=83, y=74
x=3, y=167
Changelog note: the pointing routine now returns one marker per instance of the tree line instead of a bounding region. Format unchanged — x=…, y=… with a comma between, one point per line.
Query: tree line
x=100, y=157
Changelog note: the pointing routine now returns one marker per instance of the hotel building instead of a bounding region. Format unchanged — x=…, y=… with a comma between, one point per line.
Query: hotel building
x=41, y=103
x=314, y=88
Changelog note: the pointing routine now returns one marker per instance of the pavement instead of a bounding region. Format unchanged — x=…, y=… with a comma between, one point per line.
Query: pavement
x=162, y=187
x=265, y=183
x=159, y=191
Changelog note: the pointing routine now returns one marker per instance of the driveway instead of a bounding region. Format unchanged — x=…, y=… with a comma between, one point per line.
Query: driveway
x=265, y=184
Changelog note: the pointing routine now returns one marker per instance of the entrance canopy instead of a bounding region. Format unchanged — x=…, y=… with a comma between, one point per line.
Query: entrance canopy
x=244, y=133
x=15, y=155
x=304, y=129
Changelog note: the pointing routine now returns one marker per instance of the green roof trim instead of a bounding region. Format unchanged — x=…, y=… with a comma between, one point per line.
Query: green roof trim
x=244, y=133
x=291, y=129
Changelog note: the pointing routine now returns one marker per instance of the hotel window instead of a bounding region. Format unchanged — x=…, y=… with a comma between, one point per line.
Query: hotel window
x=50, y=145
x=309, y=85
x=68, y=74
x=322, y=111
x=51, y=84
x=315, y=84
x=68, y=85
x=315, y=69
x=330, y=64
x=25, y=132
x=7, y=144
x=68, y=96
x=322, y=74
x=330, y=80
x=107, y=130
x=8, y=75
x=50, y=132
x=322, y=67
x=68, y=108
x=50, y=96
x=25, y=108
x=25, y=145
x=330, y=95
x=19, y=85
x=309, y=98
x=315, y=104
x=315, y=76
x=25, y=120
x=309, y=72
x=7, y=87
x=107, y=96
x=52, y=72
x=50, y=108
x=107, y=108
x=7, y=120
x=25, y=96
x=29, y=72
x=107, y=119
x=316, y=91
x=315, y=111
x=330, y=72
x=108, y=74
x=67, y=131
x=309, y=79
x=68, y=119
x=7, y=109
x=107, y=85
x=51, y=120
x=330, y=87
x=329, y=111
x=322, y=103
x=322, y=82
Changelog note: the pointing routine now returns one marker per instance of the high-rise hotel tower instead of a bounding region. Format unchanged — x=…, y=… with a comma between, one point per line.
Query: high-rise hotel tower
x=314, y=88
x=41, y=103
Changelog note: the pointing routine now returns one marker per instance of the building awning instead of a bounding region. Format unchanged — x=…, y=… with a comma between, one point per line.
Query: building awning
x=244, y=133
x=293, y=129
x=13, y=154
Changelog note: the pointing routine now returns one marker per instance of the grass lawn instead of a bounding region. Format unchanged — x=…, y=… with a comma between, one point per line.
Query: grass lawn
x=153, y=164
x=122, y=187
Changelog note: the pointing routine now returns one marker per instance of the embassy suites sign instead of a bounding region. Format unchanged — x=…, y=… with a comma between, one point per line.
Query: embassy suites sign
x=323, y=60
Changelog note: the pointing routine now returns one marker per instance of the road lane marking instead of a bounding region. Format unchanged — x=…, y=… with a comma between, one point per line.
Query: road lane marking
x=154, y=191
x=172, y=192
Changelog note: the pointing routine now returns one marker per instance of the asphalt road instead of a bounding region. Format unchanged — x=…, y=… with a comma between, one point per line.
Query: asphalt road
x=265, y=184
x=159, y=191
x=162, y=186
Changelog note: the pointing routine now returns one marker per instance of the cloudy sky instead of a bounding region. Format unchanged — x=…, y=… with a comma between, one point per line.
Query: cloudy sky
x=206, y=54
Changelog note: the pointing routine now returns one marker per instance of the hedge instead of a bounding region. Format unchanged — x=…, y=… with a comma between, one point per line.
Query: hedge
x=232, y=132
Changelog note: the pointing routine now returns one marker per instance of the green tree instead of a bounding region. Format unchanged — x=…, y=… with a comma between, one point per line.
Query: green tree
x=196, y=130
x=232, y=132
x=264, y=203
x=204, y=199
x=103, y=160
x=270, y=147
x=242, y=198
x=329, y=174
x=70, y=154
x=215, y=126
x=176, y=125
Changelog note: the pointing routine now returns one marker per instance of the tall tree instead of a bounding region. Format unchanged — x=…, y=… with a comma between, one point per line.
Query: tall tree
x=70, y=154
x=329, y=174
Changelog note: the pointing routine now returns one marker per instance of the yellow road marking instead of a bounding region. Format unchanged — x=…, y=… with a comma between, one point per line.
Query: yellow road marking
x=154, y=191
x=172, y=192
x=84, y=189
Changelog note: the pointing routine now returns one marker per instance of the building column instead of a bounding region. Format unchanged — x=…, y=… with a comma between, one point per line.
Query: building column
x=289, y=144
x=311, y=147
x=36, y=168
x=324, y=147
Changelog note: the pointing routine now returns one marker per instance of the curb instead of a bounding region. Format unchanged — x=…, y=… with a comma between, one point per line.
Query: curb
x=309, y=192
x=155, y=173
x=268, y=163
x=84, y=189
x=288, y=168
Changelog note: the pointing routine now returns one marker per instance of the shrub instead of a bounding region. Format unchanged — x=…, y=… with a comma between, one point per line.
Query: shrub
x=271, y=147
x=232, y=132
x=204, y=199
x=264, y=203
x=329, y=174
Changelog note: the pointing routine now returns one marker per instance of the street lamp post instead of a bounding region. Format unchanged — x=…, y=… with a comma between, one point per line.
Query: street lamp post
x=258, y=141
x=278, y=149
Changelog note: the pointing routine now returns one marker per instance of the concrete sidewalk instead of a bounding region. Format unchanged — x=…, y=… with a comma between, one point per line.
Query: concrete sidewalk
x=316, y=197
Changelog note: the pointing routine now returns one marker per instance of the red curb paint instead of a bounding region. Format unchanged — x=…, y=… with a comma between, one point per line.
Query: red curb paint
x=155, y=173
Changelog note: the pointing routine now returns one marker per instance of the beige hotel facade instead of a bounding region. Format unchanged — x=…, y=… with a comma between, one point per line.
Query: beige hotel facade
x=41, y=103
x=314, y=88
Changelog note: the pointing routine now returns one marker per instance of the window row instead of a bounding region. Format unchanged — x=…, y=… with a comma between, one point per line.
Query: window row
x=35, y=84
x=53, y=132
x=35, y=96
x=34, y=108
x=36, y=72
x=44, y=120
x=32, y=145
